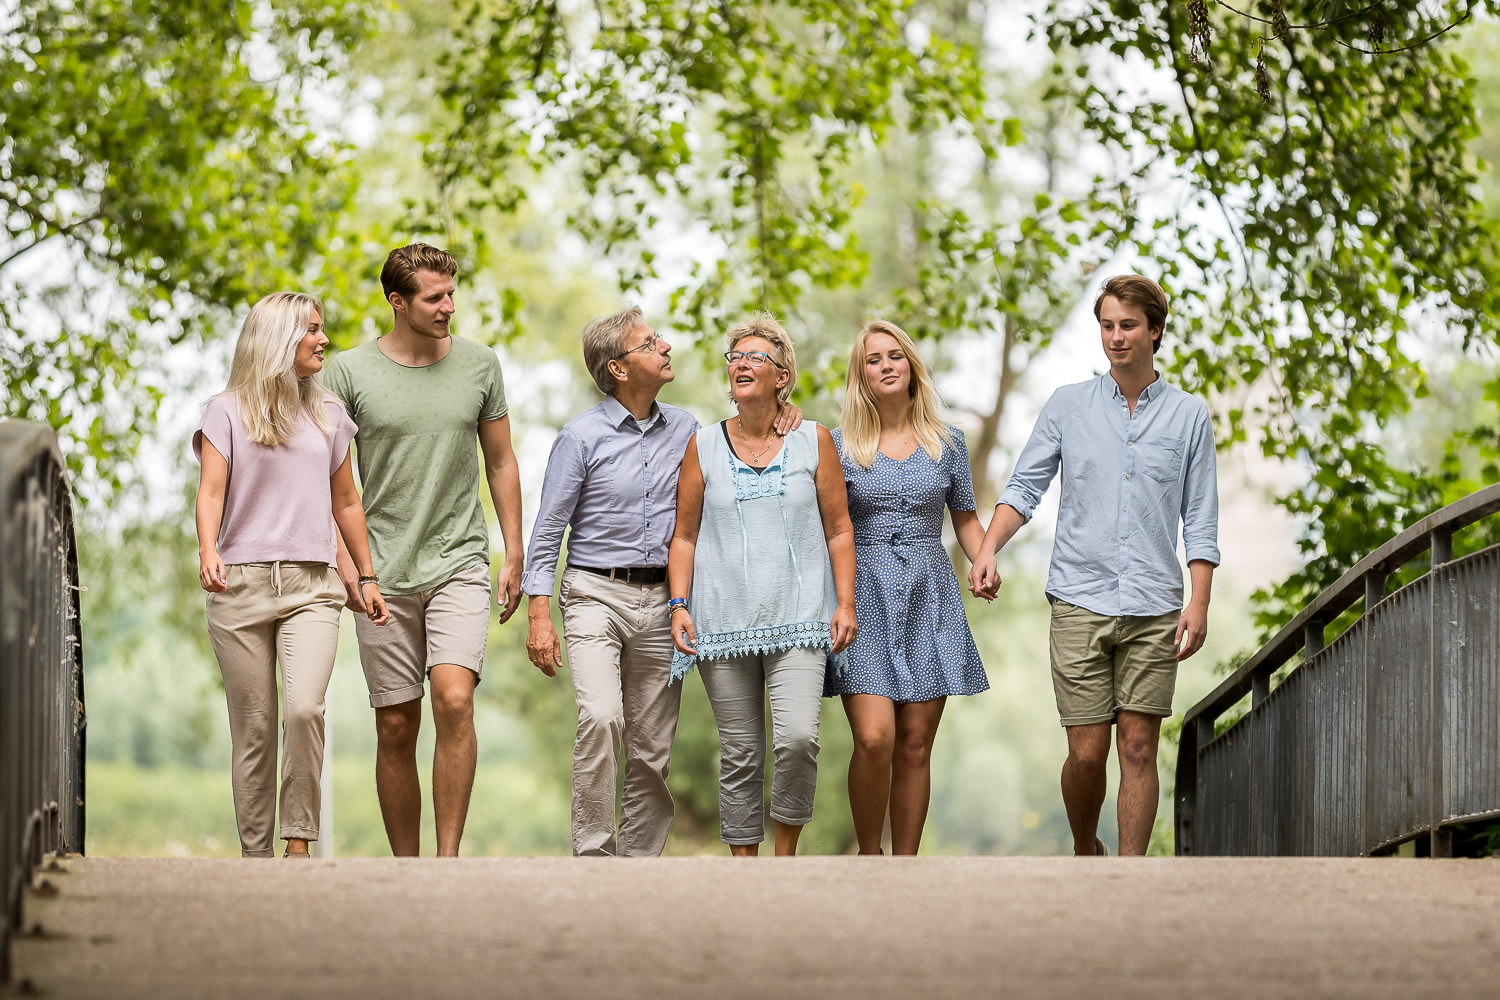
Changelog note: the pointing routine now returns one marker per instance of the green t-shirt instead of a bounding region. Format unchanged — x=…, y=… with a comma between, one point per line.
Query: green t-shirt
x=418, y=459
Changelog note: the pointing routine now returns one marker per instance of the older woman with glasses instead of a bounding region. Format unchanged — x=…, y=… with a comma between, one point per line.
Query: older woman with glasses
x=761, y=573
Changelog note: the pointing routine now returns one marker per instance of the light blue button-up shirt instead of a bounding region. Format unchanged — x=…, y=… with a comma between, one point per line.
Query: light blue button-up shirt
x=614, y=480
x=1128, y=482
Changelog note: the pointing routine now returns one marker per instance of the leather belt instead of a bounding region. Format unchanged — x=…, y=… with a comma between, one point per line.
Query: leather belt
x=628, y=574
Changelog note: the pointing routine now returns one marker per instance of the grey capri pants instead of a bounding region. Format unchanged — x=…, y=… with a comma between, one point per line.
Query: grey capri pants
x=737, y=690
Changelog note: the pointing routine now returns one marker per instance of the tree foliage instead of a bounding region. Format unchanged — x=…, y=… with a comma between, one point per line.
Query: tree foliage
x=734, y=122
x=158, y=166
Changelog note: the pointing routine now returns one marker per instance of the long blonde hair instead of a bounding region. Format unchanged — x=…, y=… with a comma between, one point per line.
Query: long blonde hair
x=262, y=378
x=860, y=422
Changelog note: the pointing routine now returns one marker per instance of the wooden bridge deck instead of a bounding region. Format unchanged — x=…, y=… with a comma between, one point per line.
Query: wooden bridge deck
x=711, y=927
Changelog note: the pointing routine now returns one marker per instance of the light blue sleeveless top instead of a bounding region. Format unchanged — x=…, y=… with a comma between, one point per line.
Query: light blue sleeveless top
x=762, y=581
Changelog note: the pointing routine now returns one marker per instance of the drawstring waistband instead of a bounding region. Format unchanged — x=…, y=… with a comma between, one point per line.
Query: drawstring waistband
x=276, y=577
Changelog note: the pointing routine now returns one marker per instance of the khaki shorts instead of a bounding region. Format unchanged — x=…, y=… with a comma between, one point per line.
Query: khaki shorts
x=1103, y=665
x=447, y=624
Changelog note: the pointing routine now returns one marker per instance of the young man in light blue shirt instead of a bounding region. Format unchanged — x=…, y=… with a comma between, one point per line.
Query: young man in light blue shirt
x=1137, y=462
x=612, y=480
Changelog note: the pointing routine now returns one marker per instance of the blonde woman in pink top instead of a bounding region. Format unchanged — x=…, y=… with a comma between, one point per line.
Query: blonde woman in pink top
x=276, y=478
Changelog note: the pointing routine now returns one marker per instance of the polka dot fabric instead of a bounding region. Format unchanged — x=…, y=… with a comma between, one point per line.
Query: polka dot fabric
x=914, y=642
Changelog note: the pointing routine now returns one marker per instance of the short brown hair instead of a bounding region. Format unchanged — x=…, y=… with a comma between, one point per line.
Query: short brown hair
x=764, y=326
x=1143, y=293
x=604, y=341
x=399, y=274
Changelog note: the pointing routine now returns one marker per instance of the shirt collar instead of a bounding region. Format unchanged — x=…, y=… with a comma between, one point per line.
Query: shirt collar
x=1157, y=387
x=617, y=414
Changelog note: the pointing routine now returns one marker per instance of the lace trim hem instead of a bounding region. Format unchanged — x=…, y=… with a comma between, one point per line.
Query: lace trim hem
x=749, y=642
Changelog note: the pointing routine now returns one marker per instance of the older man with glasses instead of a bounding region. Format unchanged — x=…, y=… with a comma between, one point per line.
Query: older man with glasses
x=611, y=482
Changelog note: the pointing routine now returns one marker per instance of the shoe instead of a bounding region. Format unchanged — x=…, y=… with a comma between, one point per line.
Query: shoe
x=298, y=854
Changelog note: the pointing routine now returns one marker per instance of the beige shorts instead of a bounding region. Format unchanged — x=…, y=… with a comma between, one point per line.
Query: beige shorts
x=1103, y=665
x=447, y=624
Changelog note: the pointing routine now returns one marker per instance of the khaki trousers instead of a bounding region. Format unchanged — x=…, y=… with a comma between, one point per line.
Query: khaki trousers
x=284, y=613
x=619, y=645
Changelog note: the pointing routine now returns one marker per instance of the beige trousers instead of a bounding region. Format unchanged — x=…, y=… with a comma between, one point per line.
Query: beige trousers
x=284, y=613
x=619, y=646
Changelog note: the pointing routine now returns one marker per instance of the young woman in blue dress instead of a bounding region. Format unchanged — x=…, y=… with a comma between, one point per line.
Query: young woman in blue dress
x=904, y=468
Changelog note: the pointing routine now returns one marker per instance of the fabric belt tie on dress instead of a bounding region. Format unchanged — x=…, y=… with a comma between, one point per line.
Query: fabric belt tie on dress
x=628, y=574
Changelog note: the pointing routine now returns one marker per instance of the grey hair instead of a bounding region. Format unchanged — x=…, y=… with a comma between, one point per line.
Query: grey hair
x=604, y=341
x=764, y=326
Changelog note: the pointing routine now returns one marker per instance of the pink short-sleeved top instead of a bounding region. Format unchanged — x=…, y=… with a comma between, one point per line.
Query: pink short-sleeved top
x=278, y=504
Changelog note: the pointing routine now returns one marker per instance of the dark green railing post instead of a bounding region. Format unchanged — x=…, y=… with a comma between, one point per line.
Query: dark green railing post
x=41, y=666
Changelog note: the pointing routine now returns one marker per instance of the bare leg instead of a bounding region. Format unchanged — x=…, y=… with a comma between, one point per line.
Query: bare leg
x=744, y=850
x=911, y=780
x=396, y=781
x=1083, y=782
x=786, y=838
x=1136, y=737
x=872, y=721
x=296, y=845
x=455, y=753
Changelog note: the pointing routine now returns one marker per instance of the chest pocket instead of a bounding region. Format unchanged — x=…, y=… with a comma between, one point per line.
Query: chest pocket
x=1162, y=463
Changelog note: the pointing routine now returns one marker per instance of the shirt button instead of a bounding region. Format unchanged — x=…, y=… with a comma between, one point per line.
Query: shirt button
x=1122, y=509
x=1127, y=475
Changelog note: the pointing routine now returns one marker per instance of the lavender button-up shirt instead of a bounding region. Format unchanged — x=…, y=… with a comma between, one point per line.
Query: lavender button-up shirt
x=614, y=480
x=1128, y=482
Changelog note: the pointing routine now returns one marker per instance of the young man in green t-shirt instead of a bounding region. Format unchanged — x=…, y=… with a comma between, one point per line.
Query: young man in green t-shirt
x=420, y=396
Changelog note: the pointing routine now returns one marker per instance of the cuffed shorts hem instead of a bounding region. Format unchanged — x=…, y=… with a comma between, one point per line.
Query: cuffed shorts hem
x=400, y=696
x=301, y=833
x=1146, y=710
x=1085, y=720
x=267, y=853
x=457, y=657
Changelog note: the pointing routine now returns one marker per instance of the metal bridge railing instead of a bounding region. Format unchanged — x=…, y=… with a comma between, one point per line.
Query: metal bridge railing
x=41, y=666
x=1389, y=733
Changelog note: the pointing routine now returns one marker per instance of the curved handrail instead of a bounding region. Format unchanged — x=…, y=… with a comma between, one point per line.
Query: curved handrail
x=41, y=666
x=1305, y=633
x=1353, y=586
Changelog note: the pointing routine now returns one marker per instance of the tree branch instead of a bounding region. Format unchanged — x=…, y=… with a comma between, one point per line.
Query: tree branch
x=1469, y=13
x=70, y=229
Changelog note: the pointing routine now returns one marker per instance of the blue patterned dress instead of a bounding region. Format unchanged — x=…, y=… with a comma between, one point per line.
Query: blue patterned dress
x=914, y=642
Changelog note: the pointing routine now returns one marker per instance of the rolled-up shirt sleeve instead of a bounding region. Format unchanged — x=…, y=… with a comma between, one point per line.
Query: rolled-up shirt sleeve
x=1037, y=464
x=561, y=487
x=1200, y=494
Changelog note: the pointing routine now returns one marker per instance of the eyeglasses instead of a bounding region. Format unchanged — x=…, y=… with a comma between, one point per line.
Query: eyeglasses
x=649, y=345
x=756, y=359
